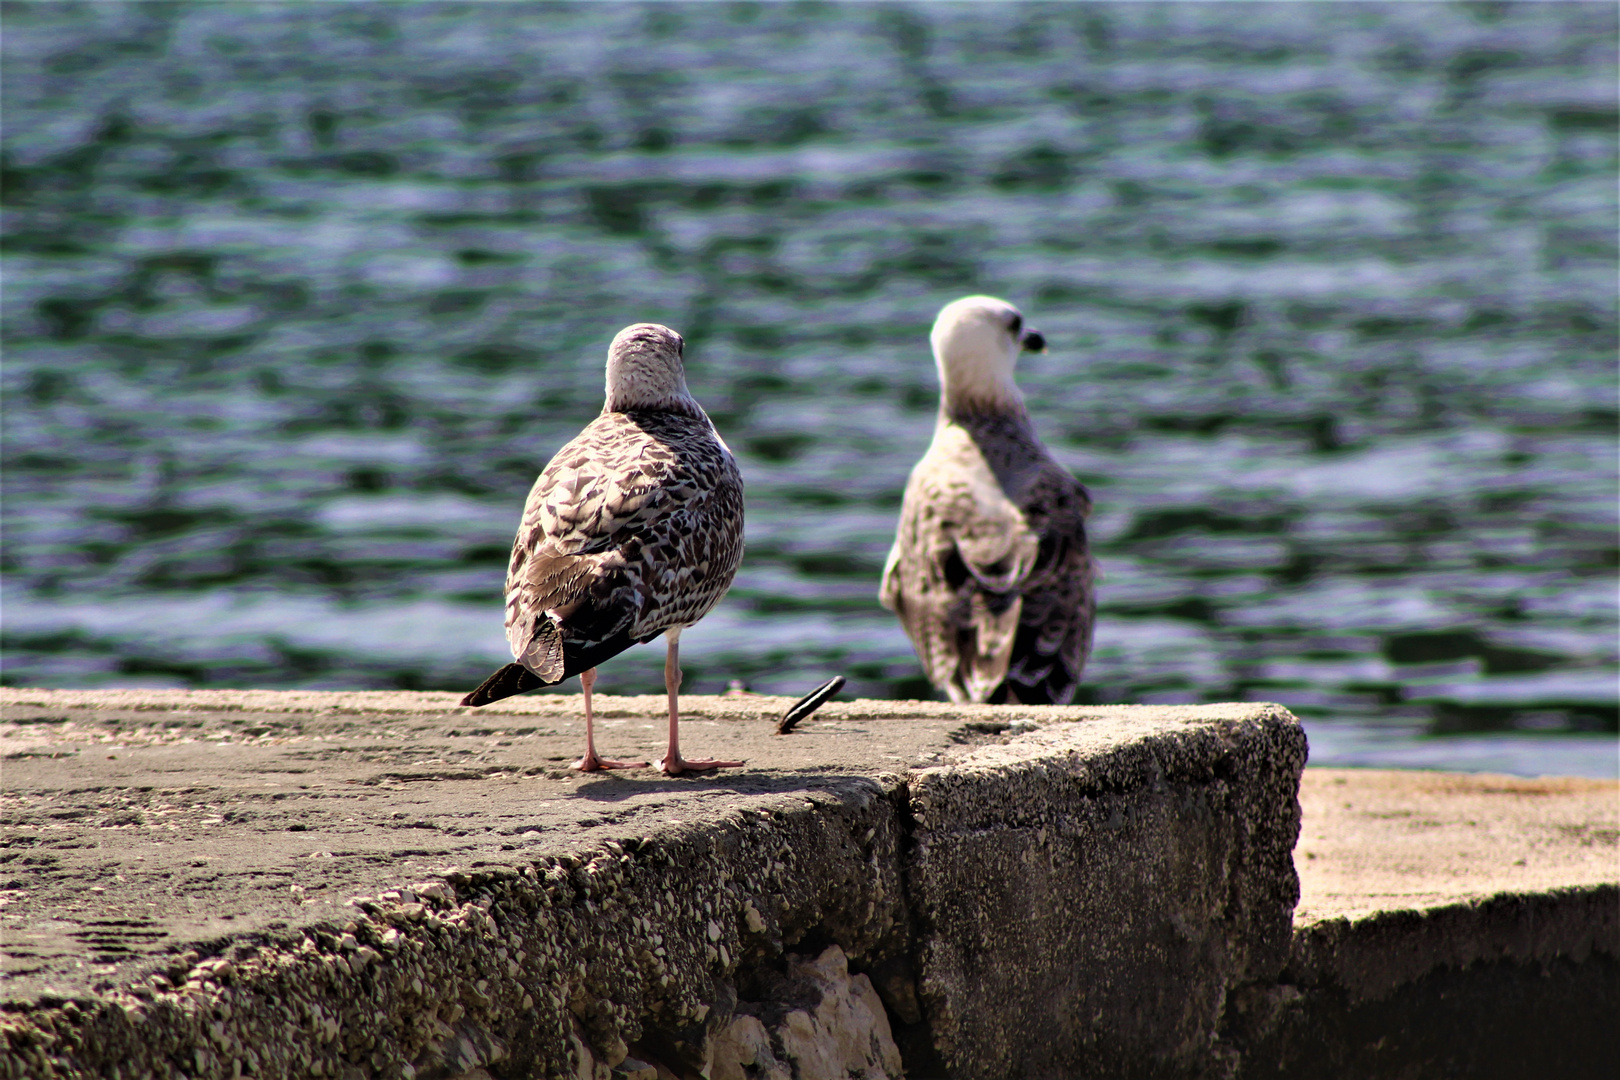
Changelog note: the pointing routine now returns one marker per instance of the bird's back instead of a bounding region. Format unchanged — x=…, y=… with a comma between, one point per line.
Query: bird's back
x=991, y=573
x=634, y=527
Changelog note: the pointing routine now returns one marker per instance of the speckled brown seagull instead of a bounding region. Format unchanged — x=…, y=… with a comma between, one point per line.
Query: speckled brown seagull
x=634, y=529
x=990, y=572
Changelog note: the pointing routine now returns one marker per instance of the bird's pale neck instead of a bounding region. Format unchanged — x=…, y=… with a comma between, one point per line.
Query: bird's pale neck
x=975, y=358
x=983, y=385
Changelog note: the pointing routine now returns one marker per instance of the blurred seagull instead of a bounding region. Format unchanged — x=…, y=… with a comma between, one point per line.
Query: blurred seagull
x=990, y=572
x=634, y=529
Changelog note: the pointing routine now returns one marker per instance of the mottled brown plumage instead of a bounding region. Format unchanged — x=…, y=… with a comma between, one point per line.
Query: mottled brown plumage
x=990, y=571
x=634, y=529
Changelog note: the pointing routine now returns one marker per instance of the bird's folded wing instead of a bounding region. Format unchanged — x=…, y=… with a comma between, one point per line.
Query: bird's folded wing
x=541, y=585
x=604, y=492
x=1059, y=600
x=999, y=552
x=577, y=511
x=962, y=554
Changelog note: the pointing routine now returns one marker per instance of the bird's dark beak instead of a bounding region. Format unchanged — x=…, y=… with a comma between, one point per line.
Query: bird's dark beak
x=1033, y=341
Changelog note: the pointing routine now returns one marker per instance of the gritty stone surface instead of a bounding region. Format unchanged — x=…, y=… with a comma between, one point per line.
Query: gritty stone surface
x=319, y=892
x=303, y=884
x=1410, y=871
x=1447, y=925
x=1403, y=872
x=1382, y=840
x=1116, y=880
x=295, y=885
x=134, y=831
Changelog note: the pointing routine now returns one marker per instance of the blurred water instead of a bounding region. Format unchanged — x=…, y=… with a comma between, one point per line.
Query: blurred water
x=298, y=298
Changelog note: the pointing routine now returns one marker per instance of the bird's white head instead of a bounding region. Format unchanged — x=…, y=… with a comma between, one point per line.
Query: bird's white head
x=644, y=370
x=976, y=342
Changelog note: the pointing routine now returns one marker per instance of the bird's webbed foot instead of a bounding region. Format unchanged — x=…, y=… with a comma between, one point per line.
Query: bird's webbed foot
x=592, y=763
x=674, y=765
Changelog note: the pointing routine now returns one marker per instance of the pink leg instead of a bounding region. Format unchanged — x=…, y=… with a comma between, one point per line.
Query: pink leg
x=673, y=764
x=590, y=762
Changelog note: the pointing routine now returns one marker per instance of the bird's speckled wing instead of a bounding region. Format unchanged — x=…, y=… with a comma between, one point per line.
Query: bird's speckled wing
x=634, y=527
x=1059, y=598
x=993, y=588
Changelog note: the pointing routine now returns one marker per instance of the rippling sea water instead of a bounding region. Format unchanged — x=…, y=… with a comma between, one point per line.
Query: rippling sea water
x=298, y=299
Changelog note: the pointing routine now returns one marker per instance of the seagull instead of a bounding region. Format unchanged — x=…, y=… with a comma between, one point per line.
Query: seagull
x=990, y=571
x=634, y=529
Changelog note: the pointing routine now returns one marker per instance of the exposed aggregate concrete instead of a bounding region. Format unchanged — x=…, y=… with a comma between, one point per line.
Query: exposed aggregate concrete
x=1118, y=887
x=1033, y=892
x=490, y=967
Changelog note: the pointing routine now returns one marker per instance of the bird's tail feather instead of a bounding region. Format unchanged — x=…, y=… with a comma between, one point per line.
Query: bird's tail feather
x=511, y=679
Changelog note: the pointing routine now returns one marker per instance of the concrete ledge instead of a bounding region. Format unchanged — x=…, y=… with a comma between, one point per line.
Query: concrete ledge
x=638, y=930
x=1106, y=890
x=1448, y=925
x=1372, y=957
x=357, y=885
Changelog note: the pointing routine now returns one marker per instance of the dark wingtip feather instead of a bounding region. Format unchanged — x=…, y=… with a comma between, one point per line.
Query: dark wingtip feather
x=511, y=679
x=808, y=704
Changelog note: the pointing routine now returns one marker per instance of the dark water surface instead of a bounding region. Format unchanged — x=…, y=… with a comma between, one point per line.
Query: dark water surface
x=299, y=298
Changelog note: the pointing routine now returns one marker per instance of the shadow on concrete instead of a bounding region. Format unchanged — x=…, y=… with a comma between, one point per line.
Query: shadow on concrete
x=777, y=782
